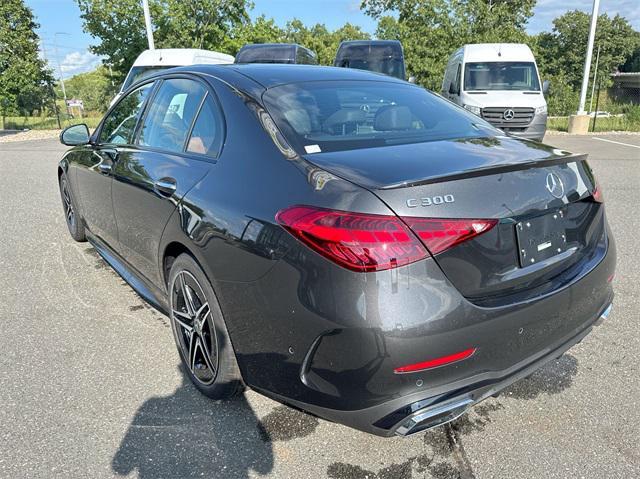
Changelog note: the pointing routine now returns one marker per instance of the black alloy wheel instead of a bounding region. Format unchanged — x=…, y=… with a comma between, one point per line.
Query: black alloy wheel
x=200, y=332
x=74, y=223
x=194, y=329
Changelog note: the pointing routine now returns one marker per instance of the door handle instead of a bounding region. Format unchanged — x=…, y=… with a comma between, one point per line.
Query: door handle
x=165, y=186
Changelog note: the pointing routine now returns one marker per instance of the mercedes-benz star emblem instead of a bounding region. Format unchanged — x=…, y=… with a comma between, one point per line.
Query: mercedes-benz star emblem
x=555, y=185
x=508, y=115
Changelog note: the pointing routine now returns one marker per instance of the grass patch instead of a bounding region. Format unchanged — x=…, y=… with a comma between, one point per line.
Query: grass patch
x=43, y=123
x=614, y=123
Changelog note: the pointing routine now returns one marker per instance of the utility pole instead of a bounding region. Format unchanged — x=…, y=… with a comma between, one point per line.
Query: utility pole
x=595, y=76
x=53, y=93
x=55, y=51
x=579, y=123
x=147, y=23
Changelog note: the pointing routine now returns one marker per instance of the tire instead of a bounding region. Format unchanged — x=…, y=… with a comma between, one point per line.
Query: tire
x=200, y=332
x=69, y=206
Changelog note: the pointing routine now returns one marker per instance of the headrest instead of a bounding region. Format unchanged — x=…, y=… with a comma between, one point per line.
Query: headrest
x=393, y=117
x=299, y=120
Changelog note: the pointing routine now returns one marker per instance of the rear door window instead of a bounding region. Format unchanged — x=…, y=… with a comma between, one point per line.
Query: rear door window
x=119, y=126
x=171, y=113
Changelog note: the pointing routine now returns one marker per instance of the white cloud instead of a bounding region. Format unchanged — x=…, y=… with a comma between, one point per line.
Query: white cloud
x=78, y=62
x=546, y=10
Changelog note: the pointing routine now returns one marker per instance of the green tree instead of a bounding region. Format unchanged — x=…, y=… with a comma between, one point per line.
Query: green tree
x=262, y=30
x=564, y=48
x=94, y=88
x=119, y=26
x=321, y=40
x=430, y=30
x=25, y=81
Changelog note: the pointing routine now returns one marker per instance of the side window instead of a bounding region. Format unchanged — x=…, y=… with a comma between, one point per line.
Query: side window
x=456, y=81
x=206, y=136
x=119, y=126
x=171, y=114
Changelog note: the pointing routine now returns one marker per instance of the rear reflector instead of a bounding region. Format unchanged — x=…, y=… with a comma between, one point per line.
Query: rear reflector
x=434, y=363
x=357, y=241
x=439, y=235
x=597, y=194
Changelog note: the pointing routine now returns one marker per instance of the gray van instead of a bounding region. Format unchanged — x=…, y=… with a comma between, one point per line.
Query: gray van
x=382, y=56
x=276, y=53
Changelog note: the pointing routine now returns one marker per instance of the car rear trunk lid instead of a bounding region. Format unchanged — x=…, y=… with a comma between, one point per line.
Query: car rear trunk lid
x=548, y=224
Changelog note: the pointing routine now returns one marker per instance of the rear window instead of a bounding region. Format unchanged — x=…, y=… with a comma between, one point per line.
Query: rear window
x=336, y=116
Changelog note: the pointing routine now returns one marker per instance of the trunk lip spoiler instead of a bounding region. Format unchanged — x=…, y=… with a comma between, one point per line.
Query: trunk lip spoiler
x=484, y=170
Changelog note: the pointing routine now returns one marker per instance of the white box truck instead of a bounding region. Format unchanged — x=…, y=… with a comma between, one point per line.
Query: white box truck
x=500, y=83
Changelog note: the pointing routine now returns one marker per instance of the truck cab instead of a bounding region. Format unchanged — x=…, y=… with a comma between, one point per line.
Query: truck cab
x=500, y=83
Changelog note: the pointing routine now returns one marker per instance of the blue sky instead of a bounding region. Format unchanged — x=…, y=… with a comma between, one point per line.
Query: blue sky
x=61, y=24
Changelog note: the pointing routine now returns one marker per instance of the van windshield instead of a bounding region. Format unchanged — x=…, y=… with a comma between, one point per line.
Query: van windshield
x=347, y=115
x=138, y=73
x=267, y=54
x=385, y=59
x=501, y=76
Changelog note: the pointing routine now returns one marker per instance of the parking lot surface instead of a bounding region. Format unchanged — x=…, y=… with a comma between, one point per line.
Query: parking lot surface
x=90, y=384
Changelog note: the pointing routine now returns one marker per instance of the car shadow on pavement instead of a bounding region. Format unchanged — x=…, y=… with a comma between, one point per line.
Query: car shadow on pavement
x=187, y=435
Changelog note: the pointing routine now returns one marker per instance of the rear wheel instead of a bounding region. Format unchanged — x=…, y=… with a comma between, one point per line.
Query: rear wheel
x=200, y=333
x=74, y=223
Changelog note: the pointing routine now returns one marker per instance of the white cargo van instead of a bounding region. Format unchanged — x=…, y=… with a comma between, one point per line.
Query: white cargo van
x=500, y=83
x=152, y=61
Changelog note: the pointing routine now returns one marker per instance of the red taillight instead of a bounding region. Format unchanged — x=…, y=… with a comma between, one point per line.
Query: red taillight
x=597, y=194
x=357, y=241
x=434, y=363
x=441, y=234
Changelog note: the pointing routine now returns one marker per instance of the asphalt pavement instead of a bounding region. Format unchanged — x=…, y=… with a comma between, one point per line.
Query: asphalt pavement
x=90, y=384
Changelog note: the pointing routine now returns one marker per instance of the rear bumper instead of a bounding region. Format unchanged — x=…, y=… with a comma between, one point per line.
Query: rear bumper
x=412, y=414
x=330, y=344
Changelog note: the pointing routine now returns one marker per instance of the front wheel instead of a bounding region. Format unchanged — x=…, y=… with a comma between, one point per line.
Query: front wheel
x=200, y=332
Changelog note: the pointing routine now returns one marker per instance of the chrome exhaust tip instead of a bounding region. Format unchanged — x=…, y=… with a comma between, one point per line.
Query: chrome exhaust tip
x=431, y=417
x=604, y=315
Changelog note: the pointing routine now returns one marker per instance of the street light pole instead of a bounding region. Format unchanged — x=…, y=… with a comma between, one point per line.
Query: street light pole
x=147, y=23
x=587, y=61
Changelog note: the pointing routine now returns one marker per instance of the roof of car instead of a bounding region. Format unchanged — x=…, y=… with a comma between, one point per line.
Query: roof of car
x=271, y=75
x=370, y=42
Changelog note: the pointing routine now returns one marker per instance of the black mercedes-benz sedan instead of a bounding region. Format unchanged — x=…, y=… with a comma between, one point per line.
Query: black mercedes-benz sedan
x=341, y=241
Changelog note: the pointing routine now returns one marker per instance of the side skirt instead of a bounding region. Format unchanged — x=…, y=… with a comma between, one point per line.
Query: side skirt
x=149, y=292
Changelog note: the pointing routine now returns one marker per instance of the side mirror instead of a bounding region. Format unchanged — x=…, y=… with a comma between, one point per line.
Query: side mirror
x=545, y=86
x=453, y=90
x=75, y=135
x=412, y=79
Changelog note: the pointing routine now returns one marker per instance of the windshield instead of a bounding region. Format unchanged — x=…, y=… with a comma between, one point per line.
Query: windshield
x=385, y=59
x=501, y=76
x=138, y=73
x=266, y=54
x=346, y=115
